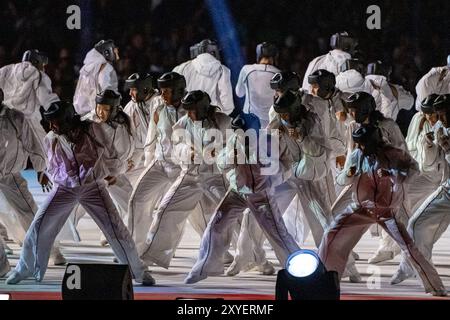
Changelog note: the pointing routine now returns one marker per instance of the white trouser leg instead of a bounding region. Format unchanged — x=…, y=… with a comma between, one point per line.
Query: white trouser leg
x=170, y=218
x=286, y=194
x=387, y=244
x=250, y=242
x=99, y=205
x=295, y=221
x=428, y=224
x=316, y=211
x=266, y=212
x=120, y=193
x=430, y=278
x=215, y=240
x=43, y=230
x=153, y=183
x=15, y=189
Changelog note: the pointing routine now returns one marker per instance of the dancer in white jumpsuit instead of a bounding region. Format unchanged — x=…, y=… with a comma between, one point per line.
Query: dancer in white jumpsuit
x=351, y=78
x=251, y=237
x=79, y=164
x=116, y=127
x=250, y=187
x=343, y=47
x=28, y=89
x=19, y=143
x=144, y=101
x=437, y=81
x=432, y=218
x=362, y=108
x=390, y=98
x=254, y=82
x=96, y=75
x=198, y=135
x=332, y=112
x=205, y=72
x=420, y=142
x=302, y=132
x=376, y=171
x=160, y=170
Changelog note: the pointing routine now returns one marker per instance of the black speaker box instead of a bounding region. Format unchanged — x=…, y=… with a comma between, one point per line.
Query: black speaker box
x=97, y=282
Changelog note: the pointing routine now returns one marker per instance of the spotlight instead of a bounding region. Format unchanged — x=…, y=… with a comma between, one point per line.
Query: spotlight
x=305, y=278
x=5, y=296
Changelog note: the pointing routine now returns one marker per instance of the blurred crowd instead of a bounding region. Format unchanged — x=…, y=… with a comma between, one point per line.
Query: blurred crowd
x=155, y=35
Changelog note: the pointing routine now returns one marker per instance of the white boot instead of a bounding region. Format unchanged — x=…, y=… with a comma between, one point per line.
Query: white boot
x=266, y=268
x=400, y=276
x=57, y=257
x=381, y=256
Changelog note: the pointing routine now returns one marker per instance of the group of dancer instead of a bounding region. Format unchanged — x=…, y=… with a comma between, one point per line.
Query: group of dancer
x=324, y=156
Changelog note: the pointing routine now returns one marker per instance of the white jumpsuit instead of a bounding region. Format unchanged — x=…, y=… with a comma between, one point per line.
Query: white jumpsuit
x=390, y=98
x=375, y=200
x=120, y=144
x=249, y=188
x=140, y=115
x=26, y=89
x=437, y=81
x=254, y=84
x=206, y=73
x=310, y=153
x=335, y=131
x=391, y=134
x=432, y=218
x=332, y=62
x=159, y=174
x=194, y=180
x=96, y=75
x=431, y=173
x=78, y=171
x=18, y=142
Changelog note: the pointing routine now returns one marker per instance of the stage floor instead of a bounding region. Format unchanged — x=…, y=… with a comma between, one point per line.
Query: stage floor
x=249, y=285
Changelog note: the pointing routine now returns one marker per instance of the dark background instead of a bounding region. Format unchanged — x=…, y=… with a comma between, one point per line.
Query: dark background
x=156, y=37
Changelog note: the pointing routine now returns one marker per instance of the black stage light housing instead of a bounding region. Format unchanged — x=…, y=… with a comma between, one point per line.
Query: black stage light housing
x=305, y=278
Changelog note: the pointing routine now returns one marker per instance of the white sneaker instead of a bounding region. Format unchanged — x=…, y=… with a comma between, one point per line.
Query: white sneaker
x=266, y=268
x=353, y=274
x=15, y=277
x=235, y=268
x=228, y=258
x=399, y=277
x=381, y=256
x=4, y=269
x=104, y=243
x=58, y=258
x=147, y=279
x=194, y=278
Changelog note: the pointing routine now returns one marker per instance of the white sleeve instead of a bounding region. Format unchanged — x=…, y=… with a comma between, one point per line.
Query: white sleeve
x=45, y=93
x=240, y=85
x=33, y=147
x=107, y=79
x=225, y=91
x=405, y=98
x=352, y=161
x=426, y=86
